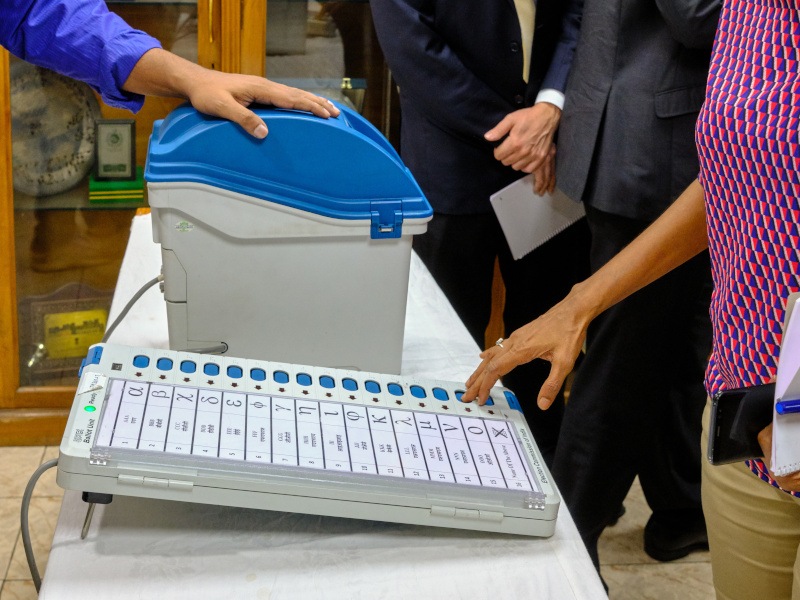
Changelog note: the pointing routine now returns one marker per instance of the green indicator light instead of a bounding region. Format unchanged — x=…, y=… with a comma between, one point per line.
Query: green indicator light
x=89, y=408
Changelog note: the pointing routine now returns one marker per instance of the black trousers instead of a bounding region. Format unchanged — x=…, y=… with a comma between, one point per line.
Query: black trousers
x=460, y=250
x=636, y=403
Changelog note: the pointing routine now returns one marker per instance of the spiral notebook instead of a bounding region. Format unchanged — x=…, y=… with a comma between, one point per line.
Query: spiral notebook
x=786, y=427
x=529, y=220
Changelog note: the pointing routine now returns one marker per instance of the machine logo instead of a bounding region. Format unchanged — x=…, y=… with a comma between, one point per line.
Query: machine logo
x=184, y=226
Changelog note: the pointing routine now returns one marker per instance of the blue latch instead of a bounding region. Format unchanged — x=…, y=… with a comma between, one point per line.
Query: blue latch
x=92, y=358
x=387, y=219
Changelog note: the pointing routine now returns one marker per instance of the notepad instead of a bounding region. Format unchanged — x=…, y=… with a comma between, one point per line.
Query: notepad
x=529, y=220
x=786, y=427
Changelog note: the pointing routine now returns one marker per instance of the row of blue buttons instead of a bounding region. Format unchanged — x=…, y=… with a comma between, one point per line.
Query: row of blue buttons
x=373, y=387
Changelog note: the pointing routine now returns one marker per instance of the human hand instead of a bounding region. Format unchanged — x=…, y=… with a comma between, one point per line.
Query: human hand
x=790, y=482
x=556, y=336
x=544, y=178
x=228, y=95
x=528, y=136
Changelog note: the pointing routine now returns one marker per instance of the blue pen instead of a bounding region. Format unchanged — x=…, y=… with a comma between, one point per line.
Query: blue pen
x=786, y=407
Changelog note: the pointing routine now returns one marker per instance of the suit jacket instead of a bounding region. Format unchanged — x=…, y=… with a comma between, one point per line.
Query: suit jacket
x=458, y=64
x=626, y=140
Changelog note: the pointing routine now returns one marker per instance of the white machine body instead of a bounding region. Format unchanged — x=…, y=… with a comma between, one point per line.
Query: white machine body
x=294, y=248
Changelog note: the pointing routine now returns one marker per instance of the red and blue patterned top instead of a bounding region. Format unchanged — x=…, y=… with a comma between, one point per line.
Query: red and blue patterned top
x=747, y=140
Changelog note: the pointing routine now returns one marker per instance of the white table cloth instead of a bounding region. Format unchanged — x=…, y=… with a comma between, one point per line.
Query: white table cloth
x=140, y=548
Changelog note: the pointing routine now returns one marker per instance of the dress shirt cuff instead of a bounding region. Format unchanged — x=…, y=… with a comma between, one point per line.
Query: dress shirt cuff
x=552, y=96
x=120, y=56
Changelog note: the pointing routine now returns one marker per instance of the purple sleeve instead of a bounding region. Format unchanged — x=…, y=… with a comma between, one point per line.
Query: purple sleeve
x=77, y=38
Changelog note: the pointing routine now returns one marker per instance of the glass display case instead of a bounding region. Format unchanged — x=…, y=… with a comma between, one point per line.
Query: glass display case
x=65, y=230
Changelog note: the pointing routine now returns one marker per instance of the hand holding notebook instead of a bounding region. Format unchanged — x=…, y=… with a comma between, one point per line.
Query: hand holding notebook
x=786, y=419
x=529, y=220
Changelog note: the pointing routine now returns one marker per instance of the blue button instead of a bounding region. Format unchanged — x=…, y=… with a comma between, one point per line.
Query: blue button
x=211, y=369
x=512, y=400
x=280, y=377
x=459, y=393
x=141, y=361
x=234, y=372
x=489, y=401
x=304, y=379
x=327, y=381
x=395, y=389
x=188, y=366
x=349, y=384
x=258, y=374
x=440, y=394
x=417, y=391
x=373, y=387
x=164, y=364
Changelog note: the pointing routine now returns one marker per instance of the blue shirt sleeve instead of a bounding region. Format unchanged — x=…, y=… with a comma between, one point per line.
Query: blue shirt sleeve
x=77, y=38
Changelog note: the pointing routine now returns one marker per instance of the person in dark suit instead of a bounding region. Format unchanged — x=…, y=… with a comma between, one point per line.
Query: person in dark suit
x=626, y=148
x=480, y=105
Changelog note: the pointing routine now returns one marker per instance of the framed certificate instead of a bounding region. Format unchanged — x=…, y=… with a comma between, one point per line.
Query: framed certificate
x=116, y=150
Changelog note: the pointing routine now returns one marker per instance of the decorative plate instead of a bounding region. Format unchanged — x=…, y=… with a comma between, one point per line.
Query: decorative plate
x=52, y=130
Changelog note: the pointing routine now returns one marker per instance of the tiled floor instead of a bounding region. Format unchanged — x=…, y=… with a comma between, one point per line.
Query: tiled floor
x=628, y=571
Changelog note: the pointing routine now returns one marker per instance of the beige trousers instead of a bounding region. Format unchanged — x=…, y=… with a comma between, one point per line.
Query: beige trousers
x=753, y=532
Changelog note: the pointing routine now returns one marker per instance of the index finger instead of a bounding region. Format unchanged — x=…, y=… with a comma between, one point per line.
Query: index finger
x=284, y=96
x=496, y=364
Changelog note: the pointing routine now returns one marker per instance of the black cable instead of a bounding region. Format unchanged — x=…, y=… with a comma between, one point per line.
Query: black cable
x=26, y=534
x=129, y=305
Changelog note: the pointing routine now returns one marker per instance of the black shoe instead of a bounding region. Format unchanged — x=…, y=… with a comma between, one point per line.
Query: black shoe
x=670, y=535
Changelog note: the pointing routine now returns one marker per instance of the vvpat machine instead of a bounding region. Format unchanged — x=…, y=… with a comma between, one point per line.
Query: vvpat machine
x=293, y=248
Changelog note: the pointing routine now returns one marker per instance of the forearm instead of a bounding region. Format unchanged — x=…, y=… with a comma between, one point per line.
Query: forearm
x=675, y=237
x=559, y=334
x=161, y=73
x=560, y=64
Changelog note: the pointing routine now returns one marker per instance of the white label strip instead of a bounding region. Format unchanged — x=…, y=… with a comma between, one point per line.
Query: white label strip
x=316, y=434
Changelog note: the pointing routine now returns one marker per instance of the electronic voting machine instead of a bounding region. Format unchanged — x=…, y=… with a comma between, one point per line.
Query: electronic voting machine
x=324, y=441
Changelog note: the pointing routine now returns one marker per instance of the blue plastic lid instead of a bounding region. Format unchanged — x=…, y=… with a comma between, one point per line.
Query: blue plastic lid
x=339, y=167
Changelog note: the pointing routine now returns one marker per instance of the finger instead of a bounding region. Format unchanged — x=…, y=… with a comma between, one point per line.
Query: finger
x=547, y=178
x=476, y=374
x=524, y=164
x=499, y=363
x=244, y=117
x=540, y=181
x=529, y=162
x=765, y=441
x=505, y=151
x=316, y=105
x=551, y=386
x=477, y=381
x=498, y=131
x=284, y=96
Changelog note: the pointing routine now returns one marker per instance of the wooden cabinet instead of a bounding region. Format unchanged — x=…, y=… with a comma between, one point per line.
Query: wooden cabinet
x=61, y=253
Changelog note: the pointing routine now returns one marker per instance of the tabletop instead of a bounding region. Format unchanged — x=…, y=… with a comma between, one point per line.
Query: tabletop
x=142, y=548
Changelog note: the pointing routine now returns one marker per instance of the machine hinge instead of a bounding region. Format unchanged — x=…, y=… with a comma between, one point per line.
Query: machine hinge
x=466, y=513
x=387, y=219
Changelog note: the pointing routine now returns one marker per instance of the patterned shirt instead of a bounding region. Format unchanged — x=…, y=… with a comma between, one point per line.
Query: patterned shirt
x=747, y=140
x=77, y=38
